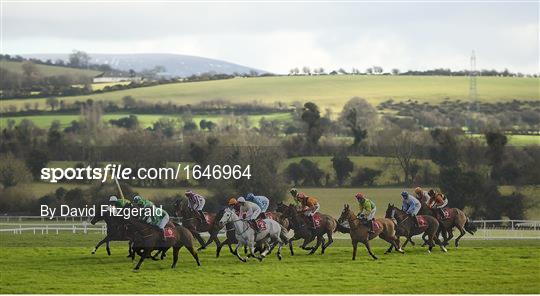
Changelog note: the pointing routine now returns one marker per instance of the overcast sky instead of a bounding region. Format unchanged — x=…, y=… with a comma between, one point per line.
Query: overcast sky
x=279, y=36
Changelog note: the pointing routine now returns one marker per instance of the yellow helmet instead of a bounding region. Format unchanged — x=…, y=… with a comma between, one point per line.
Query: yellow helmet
x=418, y=190
x=232, y=201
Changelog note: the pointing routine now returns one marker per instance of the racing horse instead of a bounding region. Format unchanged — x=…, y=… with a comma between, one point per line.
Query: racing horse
x=246, y=235
x=456, y=218
x=328, y=226
x=385, y=229
x=116, y=231
x=147, y=238
x=192, y=221
x=405, y=227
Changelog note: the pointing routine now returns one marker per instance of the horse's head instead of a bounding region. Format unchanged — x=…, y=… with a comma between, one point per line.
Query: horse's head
x=227, y=216
x=179, y=207
x=281, y=207
x=346, y=214
x=97, y=217
x=390, y=211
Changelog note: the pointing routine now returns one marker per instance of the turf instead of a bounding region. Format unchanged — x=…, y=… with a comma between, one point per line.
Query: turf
x=63, y=264
x=330, y=91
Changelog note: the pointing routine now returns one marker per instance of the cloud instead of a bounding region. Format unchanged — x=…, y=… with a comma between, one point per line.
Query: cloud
x=279, y=36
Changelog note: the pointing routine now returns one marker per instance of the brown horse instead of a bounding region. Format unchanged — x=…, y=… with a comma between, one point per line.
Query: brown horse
x=456, y=218
x=116, y=231
x=298, y=222
x=406, y=227
x=147, y=238
x=360, y=232
x=193, y=223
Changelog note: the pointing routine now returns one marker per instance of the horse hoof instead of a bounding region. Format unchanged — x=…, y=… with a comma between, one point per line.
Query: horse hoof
x=444, y=249
x=93, y=252
x=279, y=256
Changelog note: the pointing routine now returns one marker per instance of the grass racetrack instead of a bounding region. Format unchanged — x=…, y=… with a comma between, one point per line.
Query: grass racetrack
x=63, y=264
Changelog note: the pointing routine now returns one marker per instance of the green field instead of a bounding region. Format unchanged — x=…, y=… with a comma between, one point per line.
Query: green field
x=62, y=263
x=145, y=120
x=329, y=91
x=47, y=70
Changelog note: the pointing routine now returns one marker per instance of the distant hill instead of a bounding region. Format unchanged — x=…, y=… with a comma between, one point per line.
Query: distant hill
x=47, y=70
x=175, y=64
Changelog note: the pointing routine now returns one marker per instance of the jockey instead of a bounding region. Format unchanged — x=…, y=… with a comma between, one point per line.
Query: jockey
x=261, y=201
x=367, y=208
x=119, y=203
x=196, y=204
x=310, y=206
x=437, y=201
x=410, y=205
x=158, y=220
x=421, y=195
x=297, y=202
x=250, y=211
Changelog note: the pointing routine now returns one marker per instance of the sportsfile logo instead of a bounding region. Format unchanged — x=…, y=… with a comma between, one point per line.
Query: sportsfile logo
x=119, y=172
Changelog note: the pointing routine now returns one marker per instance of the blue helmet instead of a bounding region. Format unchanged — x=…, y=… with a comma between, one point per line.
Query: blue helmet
x=405, y=194
x=250, y=196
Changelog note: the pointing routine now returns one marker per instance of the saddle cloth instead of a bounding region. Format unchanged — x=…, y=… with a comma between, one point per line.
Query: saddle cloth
x=316, y=220
x=261, y=224
x=421, y=221
x=170, y=233
x=446, y=214
x=376, y=225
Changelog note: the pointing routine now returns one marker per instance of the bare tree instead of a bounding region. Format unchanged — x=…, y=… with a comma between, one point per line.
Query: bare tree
x=404, y=149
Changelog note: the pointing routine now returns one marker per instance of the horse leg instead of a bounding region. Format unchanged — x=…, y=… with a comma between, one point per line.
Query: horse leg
x=330, y=241
x=280, y=246
x=108, y=247
x=461, y=234
x=449, y=235
x=101, y=242
x=219, y=246
x=198, y=237
x=320, y=241
x=368, y=247
x=306, y=242
x=143, y=255
x=175, y=256
x=194, y=254
x=131, y=254
x=354, y=248
x=238, y=254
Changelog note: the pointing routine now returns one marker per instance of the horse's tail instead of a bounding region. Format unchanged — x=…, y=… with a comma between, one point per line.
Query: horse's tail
x=470, y=227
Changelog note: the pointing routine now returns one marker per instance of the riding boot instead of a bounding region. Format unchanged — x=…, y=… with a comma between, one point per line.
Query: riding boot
x=370, y=226
x=441, y=213
x=201, y=216
x=415, y=221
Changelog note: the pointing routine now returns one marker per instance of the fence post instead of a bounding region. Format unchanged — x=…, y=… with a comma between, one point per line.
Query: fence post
x=512, y=221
